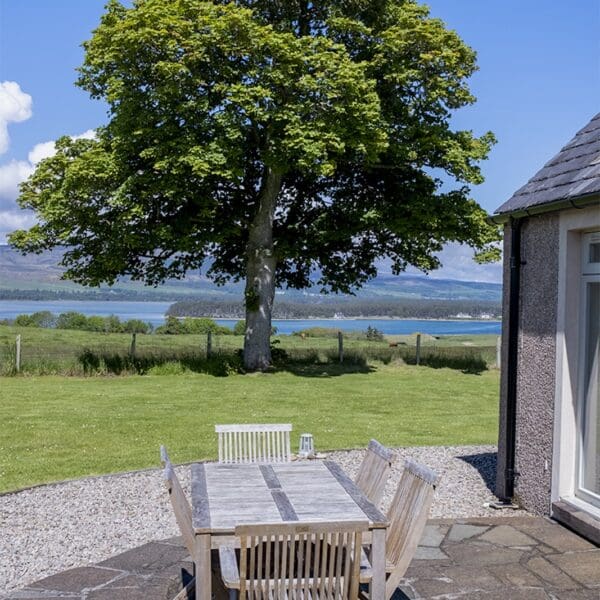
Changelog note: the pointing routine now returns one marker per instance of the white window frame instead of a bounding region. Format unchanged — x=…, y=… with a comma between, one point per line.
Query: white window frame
x=590, y=273
x=573, y=225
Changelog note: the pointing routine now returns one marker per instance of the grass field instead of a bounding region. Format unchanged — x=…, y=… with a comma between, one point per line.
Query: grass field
x=55, y=428
x=59, y=351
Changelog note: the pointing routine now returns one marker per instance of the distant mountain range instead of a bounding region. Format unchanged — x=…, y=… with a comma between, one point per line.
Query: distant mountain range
x=39, y=277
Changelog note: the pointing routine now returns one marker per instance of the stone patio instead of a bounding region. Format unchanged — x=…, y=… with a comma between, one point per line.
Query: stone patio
x=488, y=558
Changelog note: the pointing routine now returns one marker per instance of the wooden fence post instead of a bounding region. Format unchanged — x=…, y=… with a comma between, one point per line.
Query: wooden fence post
x=341, y=346
x=498, y=352
x=418, y=348
x=132, y=347
x=208, y=344
x=18, y=354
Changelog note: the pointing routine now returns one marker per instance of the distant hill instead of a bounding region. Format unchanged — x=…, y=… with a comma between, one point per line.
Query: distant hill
x=26, y=276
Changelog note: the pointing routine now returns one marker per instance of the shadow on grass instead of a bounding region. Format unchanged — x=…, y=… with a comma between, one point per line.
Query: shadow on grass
x=485, y=463
x=303, y=363
x=99, y=363
x=312, y=364
x=468, y=363
x=324, y=370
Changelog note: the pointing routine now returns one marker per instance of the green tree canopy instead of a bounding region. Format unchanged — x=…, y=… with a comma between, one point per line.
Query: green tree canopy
x=278, y=139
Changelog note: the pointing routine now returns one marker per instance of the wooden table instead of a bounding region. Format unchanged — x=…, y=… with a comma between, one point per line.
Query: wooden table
x=224, y=496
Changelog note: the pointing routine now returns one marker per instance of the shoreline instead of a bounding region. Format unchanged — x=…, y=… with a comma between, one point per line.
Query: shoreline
x=363, y=318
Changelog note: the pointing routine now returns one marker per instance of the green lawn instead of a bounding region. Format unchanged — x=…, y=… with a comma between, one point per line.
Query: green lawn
x=55, y=428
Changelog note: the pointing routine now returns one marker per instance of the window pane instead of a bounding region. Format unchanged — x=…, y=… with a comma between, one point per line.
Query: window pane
x=590, y=455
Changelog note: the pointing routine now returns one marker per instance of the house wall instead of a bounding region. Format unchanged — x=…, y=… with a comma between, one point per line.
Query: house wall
x=536, y=378
x=536, y=363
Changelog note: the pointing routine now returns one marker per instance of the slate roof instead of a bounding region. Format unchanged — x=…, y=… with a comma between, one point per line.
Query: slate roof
x=572, y=173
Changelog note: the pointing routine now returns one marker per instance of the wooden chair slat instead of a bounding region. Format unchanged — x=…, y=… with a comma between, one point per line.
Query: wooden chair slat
x=254, y=443
x=229, y=567
x=407, y=518
x=179, y=503
x=295, y=561
x=325, y=547
x=307, y=566
x=374, y=471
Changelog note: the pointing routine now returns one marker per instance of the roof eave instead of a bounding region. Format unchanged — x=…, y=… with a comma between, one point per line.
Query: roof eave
x=562, y=204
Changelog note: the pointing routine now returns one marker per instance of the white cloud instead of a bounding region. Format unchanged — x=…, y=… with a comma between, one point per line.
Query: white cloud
x=90, y=134
x=9, y=221
x=47, y=149
x=11, y=175
x=41, y=151
x=16, y=171
x=457, y=263
x=15, y=106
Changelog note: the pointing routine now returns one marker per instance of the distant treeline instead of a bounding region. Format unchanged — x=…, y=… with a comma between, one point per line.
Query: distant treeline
x=400, y=308
x=112, y=324
x=96, y=294
x=74, y=320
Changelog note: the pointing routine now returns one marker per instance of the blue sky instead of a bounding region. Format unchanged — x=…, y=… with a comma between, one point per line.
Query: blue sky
x=538, y=83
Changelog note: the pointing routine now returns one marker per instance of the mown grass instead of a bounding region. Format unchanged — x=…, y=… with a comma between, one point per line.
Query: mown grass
x=56, y=428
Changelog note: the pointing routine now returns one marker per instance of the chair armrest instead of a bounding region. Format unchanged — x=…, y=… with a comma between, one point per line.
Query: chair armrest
x=366, y=572
x=230, y=573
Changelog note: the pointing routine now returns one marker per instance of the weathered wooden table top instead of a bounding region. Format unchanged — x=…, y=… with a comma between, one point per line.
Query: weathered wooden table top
x=225, y=495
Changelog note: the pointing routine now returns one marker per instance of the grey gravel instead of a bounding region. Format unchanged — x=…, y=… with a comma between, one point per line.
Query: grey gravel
x=48, y=529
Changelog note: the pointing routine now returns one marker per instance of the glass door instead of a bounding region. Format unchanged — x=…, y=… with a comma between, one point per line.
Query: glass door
x=589, y=412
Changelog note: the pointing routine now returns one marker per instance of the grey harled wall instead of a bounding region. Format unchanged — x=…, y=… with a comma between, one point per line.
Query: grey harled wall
x=537, y=362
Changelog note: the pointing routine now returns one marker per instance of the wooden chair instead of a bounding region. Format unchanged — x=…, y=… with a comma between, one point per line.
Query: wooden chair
x=407, y=517
x=294, y=561
x=183, y=514
x=374, y=471
x=262, y=443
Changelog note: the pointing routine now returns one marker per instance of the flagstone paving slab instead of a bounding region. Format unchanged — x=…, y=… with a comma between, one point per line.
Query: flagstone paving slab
x=506, y=535
x=550, y=575
x=514, y=558
x=582, y=566
x=462, y=531
x=434, y=535
x=557, y=537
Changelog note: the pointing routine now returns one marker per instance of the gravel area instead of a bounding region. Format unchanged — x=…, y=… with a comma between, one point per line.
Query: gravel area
x=51, y=528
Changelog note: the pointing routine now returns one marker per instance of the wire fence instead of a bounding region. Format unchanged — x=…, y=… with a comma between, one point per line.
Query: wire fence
x=83, y=353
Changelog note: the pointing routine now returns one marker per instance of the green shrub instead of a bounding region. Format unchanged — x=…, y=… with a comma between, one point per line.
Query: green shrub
x=43, y=318
x=81, y=322
x=193, y=325
x=374, y=335
x=172, y=326
x=204, y=325
x=71, y=320
x=136, y=326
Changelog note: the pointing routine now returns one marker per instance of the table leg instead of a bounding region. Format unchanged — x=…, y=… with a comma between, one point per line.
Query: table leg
x=203, y=572
x=377, y=585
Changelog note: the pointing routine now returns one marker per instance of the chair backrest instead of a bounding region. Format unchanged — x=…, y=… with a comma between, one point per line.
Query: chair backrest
x=407, y=517
x=180, y=504
x=374, y=471
x=258, y=443
x=300, y=561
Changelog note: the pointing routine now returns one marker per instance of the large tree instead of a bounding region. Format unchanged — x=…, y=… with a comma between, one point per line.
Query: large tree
x=276, y=138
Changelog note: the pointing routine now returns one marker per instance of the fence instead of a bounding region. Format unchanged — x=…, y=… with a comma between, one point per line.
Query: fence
x=75, y=352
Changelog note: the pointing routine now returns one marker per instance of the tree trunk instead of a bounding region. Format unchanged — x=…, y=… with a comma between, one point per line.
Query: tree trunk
x=260, y=278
